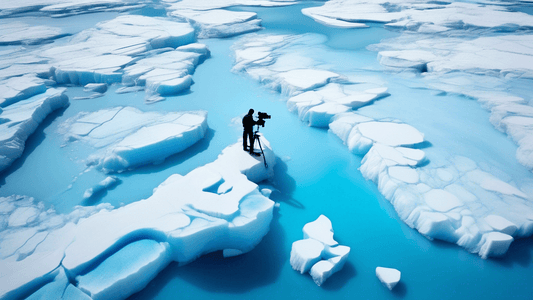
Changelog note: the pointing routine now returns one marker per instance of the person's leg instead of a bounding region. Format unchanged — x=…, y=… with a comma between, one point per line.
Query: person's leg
x=251, y=142
x=245, y=141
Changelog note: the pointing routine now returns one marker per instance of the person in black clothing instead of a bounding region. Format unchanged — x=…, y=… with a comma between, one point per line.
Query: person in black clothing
x=248, y=133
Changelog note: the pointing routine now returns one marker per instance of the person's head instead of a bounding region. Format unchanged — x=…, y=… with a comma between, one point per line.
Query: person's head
x=251, y=112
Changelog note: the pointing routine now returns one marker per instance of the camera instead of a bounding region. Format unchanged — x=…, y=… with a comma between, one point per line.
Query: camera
x=262, y=116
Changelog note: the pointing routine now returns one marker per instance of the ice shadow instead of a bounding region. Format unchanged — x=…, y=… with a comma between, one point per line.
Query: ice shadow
x=284, y=185
x=400, y=290
x=520, y=253
x=235, y=275
x=340, y=279
x=33, y=141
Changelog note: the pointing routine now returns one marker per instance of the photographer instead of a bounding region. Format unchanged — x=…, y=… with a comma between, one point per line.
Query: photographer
x=248, y=123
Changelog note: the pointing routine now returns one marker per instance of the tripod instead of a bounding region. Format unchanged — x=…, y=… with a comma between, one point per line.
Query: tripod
x=256, y=138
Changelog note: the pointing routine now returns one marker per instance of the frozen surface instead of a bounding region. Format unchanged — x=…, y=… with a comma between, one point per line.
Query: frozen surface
x=388, y=276
x=458, y=203
x=215, y=205
x=318, y=253
x=15, y=33
x=315, y=93
x=219, y=22
x=130, y=49
x=126, y=138
x=18, y=121
x=444, y=195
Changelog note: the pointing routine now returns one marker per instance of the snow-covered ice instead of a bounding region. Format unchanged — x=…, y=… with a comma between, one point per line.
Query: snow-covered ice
x=15, y=33
x=18, y=121
x=126, y=138
x=388, y=276
x=215, y=205
x=219, y=22
x=318, y=253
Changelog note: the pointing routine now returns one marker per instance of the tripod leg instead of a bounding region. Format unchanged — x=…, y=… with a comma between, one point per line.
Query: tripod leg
x=261, y=147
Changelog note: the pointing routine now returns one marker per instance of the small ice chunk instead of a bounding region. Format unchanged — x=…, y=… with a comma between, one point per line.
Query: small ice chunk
x=266, y=192
x=320, y=230
x=321, y=271
x=305, y=253
x=388, y=276
x=501, y=224
x=95, y=87
x=494, y=244
x=108, y=182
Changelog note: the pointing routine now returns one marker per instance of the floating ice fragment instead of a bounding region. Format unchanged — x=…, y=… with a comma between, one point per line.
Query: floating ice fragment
x=318, y=244
x=305, y=253
x=95, y=87
x=108, y=182
x=494, y=244
x=320, y=230
x=388, y=276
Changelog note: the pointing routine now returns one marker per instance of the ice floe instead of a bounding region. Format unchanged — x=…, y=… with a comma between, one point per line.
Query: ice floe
x=156, y=53
x=315, y=93
x=215, y=205
x=15, y=33
x=219, y=22
x=18, y=121
x=318, y=253
x=420, y=16
x=388, y=276
x=19, y=88
x=455, y=201
x=126, y=138
x=63, y=8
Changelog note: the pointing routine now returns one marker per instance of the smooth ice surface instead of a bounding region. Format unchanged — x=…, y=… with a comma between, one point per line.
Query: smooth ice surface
x=318, y=253
x=92, y=241
x=126, y=138
x=388, y=276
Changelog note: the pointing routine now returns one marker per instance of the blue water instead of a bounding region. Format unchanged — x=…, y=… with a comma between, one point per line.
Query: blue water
x=315, y=174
